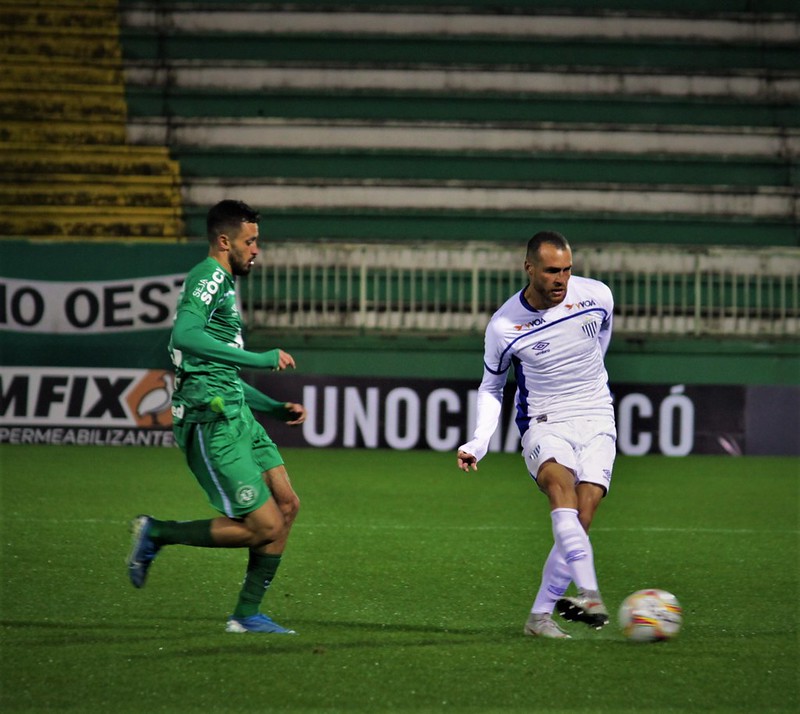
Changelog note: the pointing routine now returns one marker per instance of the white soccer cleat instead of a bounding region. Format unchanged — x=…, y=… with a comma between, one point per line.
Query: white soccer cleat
x=542, y=625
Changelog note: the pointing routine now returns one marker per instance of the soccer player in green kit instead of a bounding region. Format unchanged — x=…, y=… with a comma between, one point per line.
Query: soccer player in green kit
x=229, y=452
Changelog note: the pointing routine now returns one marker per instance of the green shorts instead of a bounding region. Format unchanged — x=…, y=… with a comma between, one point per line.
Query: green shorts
x=228, y=458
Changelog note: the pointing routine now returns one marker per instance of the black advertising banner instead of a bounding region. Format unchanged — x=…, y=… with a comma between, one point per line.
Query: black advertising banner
x=82, y=406
x=353, y=412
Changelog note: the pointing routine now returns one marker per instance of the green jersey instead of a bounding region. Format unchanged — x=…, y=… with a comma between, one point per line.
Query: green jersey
x=207, y=349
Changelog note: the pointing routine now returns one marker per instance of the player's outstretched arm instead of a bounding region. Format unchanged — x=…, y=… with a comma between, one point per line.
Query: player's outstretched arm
x=290, y=412
x=189, y=336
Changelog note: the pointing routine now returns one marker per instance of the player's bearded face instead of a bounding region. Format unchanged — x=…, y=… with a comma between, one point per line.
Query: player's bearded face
x=549, y=276
x=243, y=249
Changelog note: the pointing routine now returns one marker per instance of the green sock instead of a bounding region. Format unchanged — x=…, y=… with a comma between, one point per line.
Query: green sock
x=196, y=533
x=260, y=572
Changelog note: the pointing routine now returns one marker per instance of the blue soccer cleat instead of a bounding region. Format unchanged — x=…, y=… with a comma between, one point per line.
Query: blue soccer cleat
x=143, y=550
x=256, y=623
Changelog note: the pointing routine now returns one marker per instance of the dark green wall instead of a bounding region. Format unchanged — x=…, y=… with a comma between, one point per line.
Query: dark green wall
x=653, y=360
x=644, y=361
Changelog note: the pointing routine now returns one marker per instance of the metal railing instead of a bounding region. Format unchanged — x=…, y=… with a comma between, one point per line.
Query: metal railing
x=456, y=288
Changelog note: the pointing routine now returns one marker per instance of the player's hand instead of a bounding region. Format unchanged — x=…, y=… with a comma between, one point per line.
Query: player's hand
x=467, y=461
x=298, y=412
x=285, y=360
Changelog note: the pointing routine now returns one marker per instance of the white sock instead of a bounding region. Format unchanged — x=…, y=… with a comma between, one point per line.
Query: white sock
x=555, y=581
x=574, y=547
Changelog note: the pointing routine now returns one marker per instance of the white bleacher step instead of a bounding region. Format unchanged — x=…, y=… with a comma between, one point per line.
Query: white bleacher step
x=305, y=134
x=238, y=76
x=733, y=28
x=766, y=202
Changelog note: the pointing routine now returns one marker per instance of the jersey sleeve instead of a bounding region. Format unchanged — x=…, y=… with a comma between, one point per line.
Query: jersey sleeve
x=604, y=335
x=189, y=336
x=489, y=407
x=261, y=402
x=496, y=358
x=490, y=394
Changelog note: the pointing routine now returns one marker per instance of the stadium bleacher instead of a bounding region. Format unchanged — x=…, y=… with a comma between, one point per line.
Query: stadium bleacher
x=613, y=121
x=68, y=171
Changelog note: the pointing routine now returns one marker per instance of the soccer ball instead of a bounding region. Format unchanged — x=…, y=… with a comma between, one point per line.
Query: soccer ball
x=650, y=616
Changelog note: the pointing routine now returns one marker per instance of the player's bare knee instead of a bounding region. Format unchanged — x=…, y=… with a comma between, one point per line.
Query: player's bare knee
x=589, y=498
x=265, y=532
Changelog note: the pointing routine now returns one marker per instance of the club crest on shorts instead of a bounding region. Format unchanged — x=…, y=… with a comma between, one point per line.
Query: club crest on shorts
x=245, y=495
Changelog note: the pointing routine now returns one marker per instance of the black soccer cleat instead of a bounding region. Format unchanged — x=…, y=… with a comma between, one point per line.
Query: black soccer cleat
x=583, y=608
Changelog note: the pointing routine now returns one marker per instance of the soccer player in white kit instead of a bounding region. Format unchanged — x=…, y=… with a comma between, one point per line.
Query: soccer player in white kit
x=554, y=334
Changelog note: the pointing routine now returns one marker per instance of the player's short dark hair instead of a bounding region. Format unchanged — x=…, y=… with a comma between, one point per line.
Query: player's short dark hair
x=227, y=216
x=551, y=237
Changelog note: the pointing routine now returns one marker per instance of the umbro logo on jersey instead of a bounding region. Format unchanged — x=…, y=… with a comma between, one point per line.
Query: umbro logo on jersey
x=540, y=348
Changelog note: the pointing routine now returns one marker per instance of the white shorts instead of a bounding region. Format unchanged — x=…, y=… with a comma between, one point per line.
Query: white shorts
x=587, y=447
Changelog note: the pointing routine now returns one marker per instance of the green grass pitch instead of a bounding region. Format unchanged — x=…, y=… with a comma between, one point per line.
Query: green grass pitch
x=408, y=582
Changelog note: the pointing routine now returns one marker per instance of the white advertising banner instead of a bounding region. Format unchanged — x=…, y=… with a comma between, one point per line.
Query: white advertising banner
x=85, y=406
x=100, y=306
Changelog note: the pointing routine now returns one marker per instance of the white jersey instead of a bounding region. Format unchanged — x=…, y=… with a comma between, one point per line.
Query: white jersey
x=557, y=358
